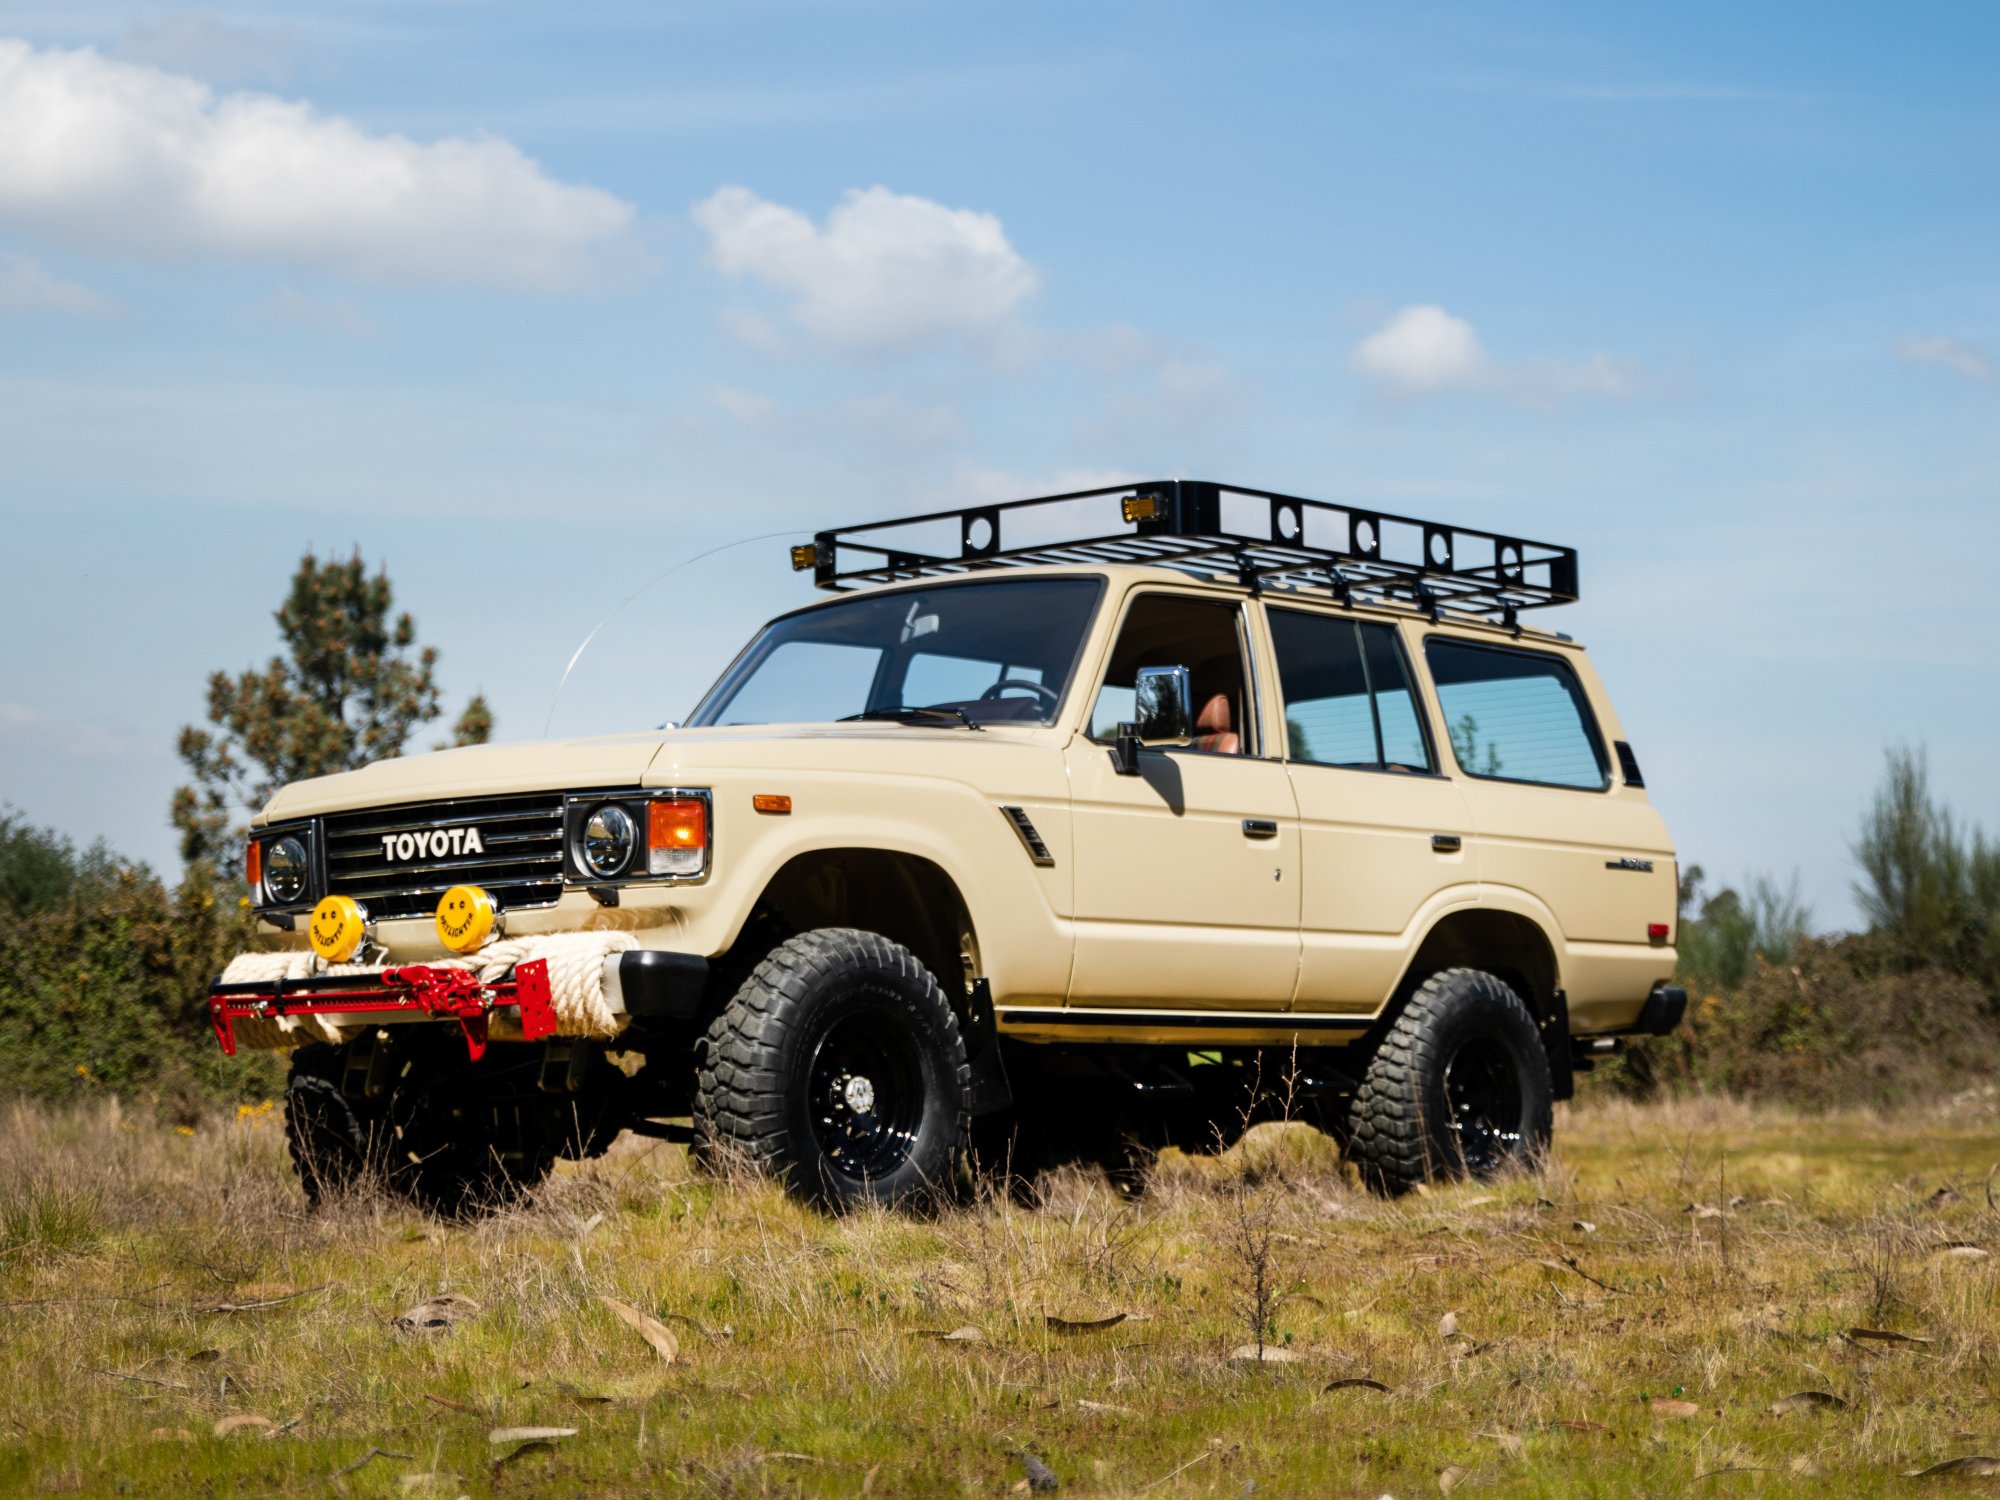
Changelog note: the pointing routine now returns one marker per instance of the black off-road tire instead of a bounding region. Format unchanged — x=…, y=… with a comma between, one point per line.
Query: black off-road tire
x=449, y=1163
x=838, y=1068
x=445, y=1162
x=1458, y=1088
x=333, y=1149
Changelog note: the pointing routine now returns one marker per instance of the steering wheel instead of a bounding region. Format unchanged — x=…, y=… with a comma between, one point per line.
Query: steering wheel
x=1047, y=694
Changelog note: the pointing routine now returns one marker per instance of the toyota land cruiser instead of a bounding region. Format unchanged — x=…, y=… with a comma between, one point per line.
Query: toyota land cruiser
x=1068, y=841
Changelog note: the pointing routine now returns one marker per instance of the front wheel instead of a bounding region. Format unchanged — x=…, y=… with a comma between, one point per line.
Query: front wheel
x=838, y=1068
x=333, y=1147
x=1458, y=1088
x=452, y=1156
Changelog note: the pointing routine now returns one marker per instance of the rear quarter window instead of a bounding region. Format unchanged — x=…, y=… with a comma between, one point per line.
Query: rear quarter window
x=1516, y=715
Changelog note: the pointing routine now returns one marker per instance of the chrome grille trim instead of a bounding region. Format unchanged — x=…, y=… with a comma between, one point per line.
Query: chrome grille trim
x=441, y=821
x=522, y=863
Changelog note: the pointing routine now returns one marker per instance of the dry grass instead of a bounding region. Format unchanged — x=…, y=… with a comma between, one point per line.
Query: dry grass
x=1622, y=1323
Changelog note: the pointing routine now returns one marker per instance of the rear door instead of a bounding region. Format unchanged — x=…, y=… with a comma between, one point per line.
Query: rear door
x=1382, y=832
x=1550, y=817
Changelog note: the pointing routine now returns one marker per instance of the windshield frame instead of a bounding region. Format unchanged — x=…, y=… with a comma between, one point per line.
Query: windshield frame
x=701, y=717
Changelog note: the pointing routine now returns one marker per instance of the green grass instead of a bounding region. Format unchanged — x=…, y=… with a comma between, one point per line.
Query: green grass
x=810, y=1360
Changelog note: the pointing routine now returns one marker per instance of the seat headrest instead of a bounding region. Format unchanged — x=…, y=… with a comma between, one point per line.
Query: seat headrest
x=1215, y=716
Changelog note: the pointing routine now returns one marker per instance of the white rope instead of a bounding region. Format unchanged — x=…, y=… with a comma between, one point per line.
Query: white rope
x=268, y=1033
x=576, y=974
x=576, y=983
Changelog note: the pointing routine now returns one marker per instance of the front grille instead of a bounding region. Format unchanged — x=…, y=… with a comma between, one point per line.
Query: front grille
x=521, y=859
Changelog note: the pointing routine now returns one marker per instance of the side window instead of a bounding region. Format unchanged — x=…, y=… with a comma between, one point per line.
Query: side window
x=1348, y=700
x=1203, y=635
x=1516, y=715
x=1403, y=743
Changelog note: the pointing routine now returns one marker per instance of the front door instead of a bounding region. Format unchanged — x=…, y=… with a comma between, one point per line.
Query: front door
x=1187, y=875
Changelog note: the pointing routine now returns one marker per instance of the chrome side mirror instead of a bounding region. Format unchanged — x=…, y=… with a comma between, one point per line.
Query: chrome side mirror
x=1164, y=704
x=1163, y=712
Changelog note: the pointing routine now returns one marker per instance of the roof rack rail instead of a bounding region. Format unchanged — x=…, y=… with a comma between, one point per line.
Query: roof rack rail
x=1256, y=537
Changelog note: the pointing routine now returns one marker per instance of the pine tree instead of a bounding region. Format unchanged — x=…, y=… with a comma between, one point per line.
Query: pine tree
x=351, y=686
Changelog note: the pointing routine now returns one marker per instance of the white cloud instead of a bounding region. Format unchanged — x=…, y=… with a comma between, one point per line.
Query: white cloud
x=1421, y=350
x=26, y=288
x=1118, y=349
x=211, y=48
x=746, y=408
x=754, y=330
x=128, y=159
x=887, y=273
x=1965, y=360
x=1425, y=351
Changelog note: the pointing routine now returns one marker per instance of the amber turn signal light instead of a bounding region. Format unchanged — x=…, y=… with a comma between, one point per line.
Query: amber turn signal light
x=771, y=802
x=676, y=836
x=253, y=865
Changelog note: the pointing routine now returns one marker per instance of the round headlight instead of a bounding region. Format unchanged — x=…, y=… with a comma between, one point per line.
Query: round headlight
x=285, y=870
x=609, y=838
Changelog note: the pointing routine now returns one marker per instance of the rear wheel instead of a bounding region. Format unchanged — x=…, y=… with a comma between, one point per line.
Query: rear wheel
x=839, y=1069
x=1458, y=1088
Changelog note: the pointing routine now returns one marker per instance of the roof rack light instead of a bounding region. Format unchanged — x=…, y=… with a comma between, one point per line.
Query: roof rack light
x=1260, y=538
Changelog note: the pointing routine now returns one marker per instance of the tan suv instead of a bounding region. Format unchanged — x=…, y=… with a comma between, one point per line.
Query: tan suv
x=1075, y=841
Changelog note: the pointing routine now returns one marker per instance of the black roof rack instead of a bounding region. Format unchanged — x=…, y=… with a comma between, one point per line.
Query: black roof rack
x=1259, y=538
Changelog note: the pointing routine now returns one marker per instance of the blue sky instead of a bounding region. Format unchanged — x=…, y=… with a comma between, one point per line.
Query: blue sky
x=535, y=302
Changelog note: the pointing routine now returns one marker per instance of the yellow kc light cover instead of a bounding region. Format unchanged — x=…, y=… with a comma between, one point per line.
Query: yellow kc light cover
x=465, y=917
x=337, y=927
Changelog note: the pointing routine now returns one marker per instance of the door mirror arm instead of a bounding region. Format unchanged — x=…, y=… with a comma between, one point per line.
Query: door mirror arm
x=1125, y=750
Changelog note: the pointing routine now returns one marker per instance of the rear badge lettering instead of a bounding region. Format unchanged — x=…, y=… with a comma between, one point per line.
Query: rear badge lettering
x=437, y=843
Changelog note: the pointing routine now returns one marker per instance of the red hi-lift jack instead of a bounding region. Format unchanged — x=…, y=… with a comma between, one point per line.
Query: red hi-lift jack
x=417, y=988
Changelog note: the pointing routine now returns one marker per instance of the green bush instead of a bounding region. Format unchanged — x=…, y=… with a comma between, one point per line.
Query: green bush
x=1930, y=889
x=1908, y=1010
x=104, y=973
x=1837, y=1023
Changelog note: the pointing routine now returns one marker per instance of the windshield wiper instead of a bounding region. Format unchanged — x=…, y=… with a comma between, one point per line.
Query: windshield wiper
x=905, y=714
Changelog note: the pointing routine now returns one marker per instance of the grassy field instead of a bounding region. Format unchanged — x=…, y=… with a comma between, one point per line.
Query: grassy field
x=1642, y=1318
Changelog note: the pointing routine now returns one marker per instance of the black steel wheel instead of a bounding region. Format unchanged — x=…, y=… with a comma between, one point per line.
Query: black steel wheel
x=866, y=1096
x=838, y=1068
x=1482, y=1090
x=1459, y=1087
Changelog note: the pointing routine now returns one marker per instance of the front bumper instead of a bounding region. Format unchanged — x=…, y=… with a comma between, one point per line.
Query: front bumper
x=414, y=992
x=645, y=984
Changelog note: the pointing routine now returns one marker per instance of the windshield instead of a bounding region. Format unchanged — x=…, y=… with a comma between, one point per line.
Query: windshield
x=998, y=652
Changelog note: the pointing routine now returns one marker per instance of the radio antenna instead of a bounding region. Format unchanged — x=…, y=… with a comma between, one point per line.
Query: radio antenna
x=659, y=578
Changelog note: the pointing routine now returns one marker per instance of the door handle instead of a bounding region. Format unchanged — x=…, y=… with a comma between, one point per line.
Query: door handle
x=1446, y=843
x=1260, y=828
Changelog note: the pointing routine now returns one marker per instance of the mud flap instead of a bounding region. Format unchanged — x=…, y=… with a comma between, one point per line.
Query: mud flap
x=991, y=1092
x=1555, y=1042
